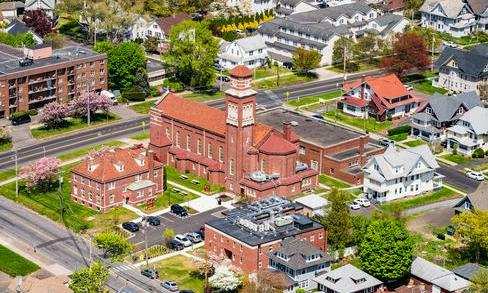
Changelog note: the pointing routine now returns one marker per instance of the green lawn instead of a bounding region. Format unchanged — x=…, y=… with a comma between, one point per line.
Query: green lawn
x=332, y=182
x=15, y=265
x=283, y=81
x=144, y=107
x=73, y=125
x=314, y=99
x=7, y=174
x=174, y=175
x=370, y=124
x=181, y=269
x=6, y=146
x=420, y=200
x=426, y=87
x=168, y=198
x=204, y=96
x=414, y=143
x=399, y=137
x=141, y=135
x=456, y=158
x=263, y=72
x=362, y=67
x=73, y=154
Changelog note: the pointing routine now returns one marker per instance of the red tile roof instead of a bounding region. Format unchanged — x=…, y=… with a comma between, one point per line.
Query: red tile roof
x=395, y=5
x=241, y=71
x=277, y=145
x=104, y=163
x=211, y=164
x=358, y=102
x=387, y=86
x=194, y=113
x=166, y=23
x=260, y=131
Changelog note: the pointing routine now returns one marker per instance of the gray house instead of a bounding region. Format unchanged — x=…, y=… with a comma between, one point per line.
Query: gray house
x=347, y=279
x=299, y=261
x=462, y=70
x=477, y=200
x=439, y=113
x=468, y=271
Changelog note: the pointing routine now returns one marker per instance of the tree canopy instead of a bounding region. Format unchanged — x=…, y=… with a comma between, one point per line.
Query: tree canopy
x=386, y=250
x=305, y=60
x=115, y=245
x=38, y=20
x=337, y=219
x=90, y=279
x=472, y=230
x=192, y=53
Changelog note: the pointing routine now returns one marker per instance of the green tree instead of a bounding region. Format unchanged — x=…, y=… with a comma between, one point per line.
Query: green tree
x=343, y=52
x=386, y=251
x=472, y=231
x=360, y=226
x=90, y=279
x=367, y=48
x=412, y=6
x=168, y=234
x=337, y=219
x=126, y=65
x=479, y=282
x=151, y=44
x=305, y=60
x=114, y=244
x=191, y=55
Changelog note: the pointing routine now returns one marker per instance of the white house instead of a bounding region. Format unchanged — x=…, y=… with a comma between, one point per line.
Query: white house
x=12, y=9
x=250, y=51
x=456, y=17
x=47, y=5
x=287, y=7
x=399, y=173
x=252, y=6
x=470, y=132
x=159, y=28
x=318, y=29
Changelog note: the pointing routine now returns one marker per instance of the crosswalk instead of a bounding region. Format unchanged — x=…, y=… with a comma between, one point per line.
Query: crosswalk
x=124, y=267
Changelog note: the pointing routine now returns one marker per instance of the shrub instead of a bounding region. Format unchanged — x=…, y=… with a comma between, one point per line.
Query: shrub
x=4, y=136
x=154, y=91
x=134, y=95
x=96, y=102
x=33, y=112
x=53, y=114
x=18, y=116
x=399, y=130
x=174, y=86
x=478, y=153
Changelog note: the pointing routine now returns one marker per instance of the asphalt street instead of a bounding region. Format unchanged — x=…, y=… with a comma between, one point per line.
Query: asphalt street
x=61, y=246
x=457, y=179
x=179, y=225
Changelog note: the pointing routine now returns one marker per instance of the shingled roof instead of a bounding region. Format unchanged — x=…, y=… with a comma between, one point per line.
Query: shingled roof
x=471, y=62
x=296, y=252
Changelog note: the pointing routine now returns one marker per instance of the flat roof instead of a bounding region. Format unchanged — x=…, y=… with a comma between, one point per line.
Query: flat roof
x=154, y=65
x=9, y=58
x=312, y=130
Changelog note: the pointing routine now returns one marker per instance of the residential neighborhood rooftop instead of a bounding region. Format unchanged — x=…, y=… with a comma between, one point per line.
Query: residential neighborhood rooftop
x=437, y=275
x=347, y=279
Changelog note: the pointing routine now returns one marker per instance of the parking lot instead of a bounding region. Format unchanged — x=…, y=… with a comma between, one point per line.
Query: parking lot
x=179, y=225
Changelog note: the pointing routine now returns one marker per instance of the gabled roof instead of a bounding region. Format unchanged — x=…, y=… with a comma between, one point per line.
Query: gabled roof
x=468, y=271
x=49, y=3
x=386, y=86
x=444, y=108
x=437, y=275
x=344, y=280
x=332, y=13
x=471, y=62
x=194, y=113
x=12, y=5
x=451, y=8
x=297, y=251
x=478, y=6
x=251, y=43
x=478, y=118
x=275, y=144
x=166, y=23
x=17, y=27
x=478, y=199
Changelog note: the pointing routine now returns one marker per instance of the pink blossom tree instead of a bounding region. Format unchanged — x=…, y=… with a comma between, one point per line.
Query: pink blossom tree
x=53, y=114
x=41, y=174
x=95, y=102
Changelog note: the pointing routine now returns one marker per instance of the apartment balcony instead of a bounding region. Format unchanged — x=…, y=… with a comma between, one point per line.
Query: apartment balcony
x=39, y=80
x=464, y=23
x=42, y=99
x=41, y=90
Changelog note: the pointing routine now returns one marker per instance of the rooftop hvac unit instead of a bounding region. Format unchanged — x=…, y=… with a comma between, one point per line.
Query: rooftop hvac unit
x=301, y=167
x=258, y=176
x=283, y=221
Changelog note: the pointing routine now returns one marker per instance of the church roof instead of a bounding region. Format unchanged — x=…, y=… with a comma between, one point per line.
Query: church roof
x=277, y=145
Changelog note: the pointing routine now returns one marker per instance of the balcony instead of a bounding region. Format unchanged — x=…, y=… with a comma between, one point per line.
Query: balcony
x=42, y=99
x=38, y=80
x=42, y=90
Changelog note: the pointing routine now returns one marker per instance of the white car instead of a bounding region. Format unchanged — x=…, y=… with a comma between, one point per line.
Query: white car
x=475, y=175
x=363, y=201
x=355, y=206
x=183, y=240
x=408, y=87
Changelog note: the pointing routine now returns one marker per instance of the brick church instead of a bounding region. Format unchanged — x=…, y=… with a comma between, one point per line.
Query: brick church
x=229, y=147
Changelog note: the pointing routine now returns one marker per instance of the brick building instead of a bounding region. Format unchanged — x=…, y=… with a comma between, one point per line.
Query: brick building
x=230, y=148
x=117, y=176
x=31, y=78
x=248, y=234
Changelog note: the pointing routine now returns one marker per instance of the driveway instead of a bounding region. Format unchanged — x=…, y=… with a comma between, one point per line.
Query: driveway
x=179, y=225
x=457, y=178
x=424, y=223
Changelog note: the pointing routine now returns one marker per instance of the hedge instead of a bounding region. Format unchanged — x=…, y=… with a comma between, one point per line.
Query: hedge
x=399, y=130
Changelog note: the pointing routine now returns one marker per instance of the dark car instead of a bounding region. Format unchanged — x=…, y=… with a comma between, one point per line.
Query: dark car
x=130, y=226
x=175, y=245
x=223, y=78
x=201, y=232
x=20, y=119
x=150, y=273
x=179, y=210
x=153, y=220
x=318, y=116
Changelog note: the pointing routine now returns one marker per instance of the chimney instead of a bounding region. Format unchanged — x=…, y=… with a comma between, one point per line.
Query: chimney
x=287, y=130
x=38, y=52
x=150, y=164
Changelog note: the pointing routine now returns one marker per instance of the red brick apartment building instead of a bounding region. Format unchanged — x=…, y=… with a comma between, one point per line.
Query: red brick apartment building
x=249, y=233
x=31, y=78
x=256, y=154
x=117, y=176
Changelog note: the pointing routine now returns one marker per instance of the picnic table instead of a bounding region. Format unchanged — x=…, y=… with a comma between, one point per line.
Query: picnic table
x=184, y=177
x=194, y=181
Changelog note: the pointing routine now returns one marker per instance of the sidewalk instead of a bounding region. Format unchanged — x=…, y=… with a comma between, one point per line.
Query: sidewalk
x=171, y=254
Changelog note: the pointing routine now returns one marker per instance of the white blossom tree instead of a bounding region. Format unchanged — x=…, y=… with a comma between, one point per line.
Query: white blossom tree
x=224, y=279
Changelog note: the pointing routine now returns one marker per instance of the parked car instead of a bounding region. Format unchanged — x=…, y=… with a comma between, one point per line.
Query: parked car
x=408, y=87
x=20, y=117
x=318, y=116
x=363, y=202
x=150, y=273
x=179, y=210
x=194, y=237
x=175, y=245
x=153, y=220
x=223, y=78
x=183, y=240
x=130, y=226
x=170, y=285
x=201, y=232
x=475, y=175
x=386, y=142
x=355, y=206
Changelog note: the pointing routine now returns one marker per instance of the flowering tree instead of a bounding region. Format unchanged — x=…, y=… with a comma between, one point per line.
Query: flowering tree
x=53, y=114
x=41, y=174
x=4, y=136
x=224, y=279
x=95, y=102
x=38, y=21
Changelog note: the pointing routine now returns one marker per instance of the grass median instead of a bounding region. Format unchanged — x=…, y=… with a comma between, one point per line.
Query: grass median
x=14, y=264
x=307, y=100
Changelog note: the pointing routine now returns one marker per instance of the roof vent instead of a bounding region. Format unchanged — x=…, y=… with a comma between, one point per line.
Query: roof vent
x=294, y=123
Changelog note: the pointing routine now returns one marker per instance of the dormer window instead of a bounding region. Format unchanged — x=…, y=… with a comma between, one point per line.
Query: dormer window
x=461, y=110
x=92, y=167
x=119, y=167
x=140, y=161
x=358, y=281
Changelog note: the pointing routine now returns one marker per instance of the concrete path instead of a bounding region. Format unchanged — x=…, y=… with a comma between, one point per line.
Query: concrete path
x=21, y=136
x=124, y=112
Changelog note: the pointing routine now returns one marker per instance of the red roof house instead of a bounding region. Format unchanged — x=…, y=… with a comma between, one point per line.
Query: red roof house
x=378, y=96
